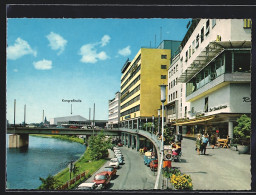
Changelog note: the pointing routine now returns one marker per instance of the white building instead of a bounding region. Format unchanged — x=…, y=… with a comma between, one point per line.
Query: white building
x=114, y=111
x=76, y=119
x=214, y=75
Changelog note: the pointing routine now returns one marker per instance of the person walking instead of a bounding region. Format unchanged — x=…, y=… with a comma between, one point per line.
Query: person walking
x=198, y=143
x=204, y=143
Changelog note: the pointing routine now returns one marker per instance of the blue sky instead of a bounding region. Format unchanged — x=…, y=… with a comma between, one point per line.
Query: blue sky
x=53, y=59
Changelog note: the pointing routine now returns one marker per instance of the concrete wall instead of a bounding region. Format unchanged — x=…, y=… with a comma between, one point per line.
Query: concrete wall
x=237, y=92
x=18, y=141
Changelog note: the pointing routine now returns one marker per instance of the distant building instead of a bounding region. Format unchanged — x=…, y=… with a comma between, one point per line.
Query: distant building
x=114, y=111
x=75, y=120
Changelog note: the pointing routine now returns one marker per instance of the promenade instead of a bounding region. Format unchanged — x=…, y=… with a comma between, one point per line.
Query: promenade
x=219, y=169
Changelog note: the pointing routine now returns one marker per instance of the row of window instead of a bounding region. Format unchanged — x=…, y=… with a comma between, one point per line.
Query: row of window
x=129, y=86
x=131, y=76
x=135, y=63
x=172, y=83
x=131, y=93
x=173, y=71
x=137, y=98
x=172, y=96
x=134, y=109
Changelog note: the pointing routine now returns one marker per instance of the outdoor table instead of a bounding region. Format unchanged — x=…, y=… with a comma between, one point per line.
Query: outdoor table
x=223, y=143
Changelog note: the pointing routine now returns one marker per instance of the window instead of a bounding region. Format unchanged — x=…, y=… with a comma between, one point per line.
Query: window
x=197, y=41
x=206, y=104
x=247, y=23
x=193, y=110
x=207, y=27
x=163, y=66
x=189, y=53
x=186, y=59
x=176, y=94
x=163, y=56
x=169, y=74
x=169, y=98
x=213, y=22
x=173, y=95
x=173, y=82
x=202, y=34
x=176, y=68
x=169, y=85
x=163, y=76
x=176, y=81
x=173, y=70
x=185, y=112
x=193, y=46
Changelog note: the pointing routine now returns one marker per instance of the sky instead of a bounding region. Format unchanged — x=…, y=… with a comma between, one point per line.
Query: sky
x=51, y=60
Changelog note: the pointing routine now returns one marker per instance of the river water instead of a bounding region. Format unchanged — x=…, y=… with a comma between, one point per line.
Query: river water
x=44, y=156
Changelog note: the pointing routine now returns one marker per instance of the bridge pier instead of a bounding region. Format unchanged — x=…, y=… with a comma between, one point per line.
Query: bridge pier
x=18, y=141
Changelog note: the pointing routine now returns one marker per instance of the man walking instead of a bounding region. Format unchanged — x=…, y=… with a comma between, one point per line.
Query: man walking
x=204, y=143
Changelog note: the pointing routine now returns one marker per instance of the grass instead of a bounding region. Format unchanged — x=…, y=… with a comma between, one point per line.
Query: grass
x=83, y=164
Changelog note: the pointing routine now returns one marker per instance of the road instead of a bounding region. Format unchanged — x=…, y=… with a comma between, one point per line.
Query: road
x=133, y=174
x=220, y=169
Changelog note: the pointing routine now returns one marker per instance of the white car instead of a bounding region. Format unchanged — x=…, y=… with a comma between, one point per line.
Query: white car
x=117, y=152
x=114, y=163
x=87, y=186
x=119, y=156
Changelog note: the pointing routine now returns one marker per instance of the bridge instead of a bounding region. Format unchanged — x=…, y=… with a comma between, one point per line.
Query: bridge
x=130, y=137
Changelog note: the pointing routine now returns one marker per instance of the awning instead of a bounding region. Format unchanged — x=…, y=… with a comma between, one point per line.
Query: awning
x=193, y=121
x=208, y=54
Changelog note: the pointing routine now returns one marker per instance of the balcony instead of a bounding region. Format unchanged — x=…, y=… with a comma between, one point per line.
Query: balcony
x=211, y=85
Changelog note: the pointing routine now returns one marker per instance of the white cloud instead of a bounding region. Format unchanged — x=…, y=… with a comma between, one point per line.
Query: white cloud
x=125, y=51
x=105, y=40
x=57, y=42
x=19, y=49
x=15, y=70
x=89, y=54
x=43, y=65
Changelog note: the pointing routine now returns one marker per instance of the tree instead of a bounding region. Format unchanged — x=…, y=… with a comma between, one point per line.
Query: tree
x=50, y=183
x=98, y=146
x=169, y=135
x=242, y=132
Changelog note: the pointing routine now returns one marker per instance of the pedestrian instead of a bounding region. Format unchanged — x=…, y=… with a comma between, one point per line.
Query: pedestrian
x=204, y=143
x=213, y=140
x=198, y=143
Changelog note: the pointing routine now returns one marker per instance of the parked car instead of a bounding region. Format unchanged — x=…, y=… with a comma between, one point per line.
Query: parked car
x=153, y=165
x=120, y=144
x=102, y=178
x=148, y=158
x=119, y=156
x=111, y=171
x=114, y=163
x=73, y=127
x=87, y=186
x=120, y=159
x=117, y=150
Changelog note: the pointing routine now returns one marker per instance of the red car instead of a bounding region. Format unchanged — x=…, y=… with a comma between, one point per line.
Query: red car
x=73, y=127
x=110, y=170
x=153, y=165
x=102, y=178
x=119, y=144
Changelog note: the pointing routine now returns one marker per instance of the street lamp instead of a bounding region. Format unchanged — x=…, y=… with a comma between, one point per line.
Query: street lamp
x=158, y=112
x=163, y=99
x=152, y=124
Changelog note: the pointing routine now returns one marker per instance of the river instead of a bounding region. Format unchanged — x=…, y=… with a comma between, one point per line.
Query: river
x=44, y=156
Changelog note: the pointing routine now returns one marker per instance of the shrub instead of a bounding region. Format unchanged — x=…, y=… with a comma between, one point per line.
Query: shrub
x=182, y=182
x=242, y=132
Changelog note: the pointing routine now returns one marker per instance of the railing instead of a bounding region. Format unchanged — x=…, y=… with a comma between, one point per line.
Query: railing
x=72, y=181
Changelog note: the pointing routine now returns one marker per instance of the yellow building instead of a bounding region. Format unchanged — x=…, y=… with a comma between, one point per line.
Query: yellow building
x=140, y=80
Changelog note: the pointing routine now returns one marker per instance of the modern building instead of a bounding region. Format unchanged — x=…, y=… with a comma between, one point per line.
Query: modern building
x=68, y=120
x=140, y=91
x=114, y=111
x=215, y=65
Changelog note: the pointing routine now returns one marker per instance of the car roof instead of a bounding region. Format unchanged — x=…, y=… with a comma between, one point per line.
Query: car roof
x=102, y=173
x=86, y=185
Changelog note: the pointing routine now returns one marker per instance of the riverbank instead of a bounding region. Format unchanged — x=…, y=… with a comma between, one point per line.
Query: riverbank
x=83, y=164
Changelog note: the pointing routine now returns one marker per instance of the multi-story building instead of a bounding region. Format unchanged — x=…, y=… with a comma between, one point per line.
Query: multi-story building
x=215, y=63
x=140, y=91
x=114, y=111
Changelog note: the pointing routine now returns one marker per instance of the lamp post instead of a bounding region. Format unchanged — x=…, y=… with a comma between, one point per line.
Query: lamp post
x=152, y=124
x=160, y=167
x=158, y=112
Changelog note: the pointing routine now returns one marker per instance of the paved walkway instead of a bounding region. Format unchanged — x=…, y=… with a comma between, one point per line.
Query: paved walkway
x=219, y=169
